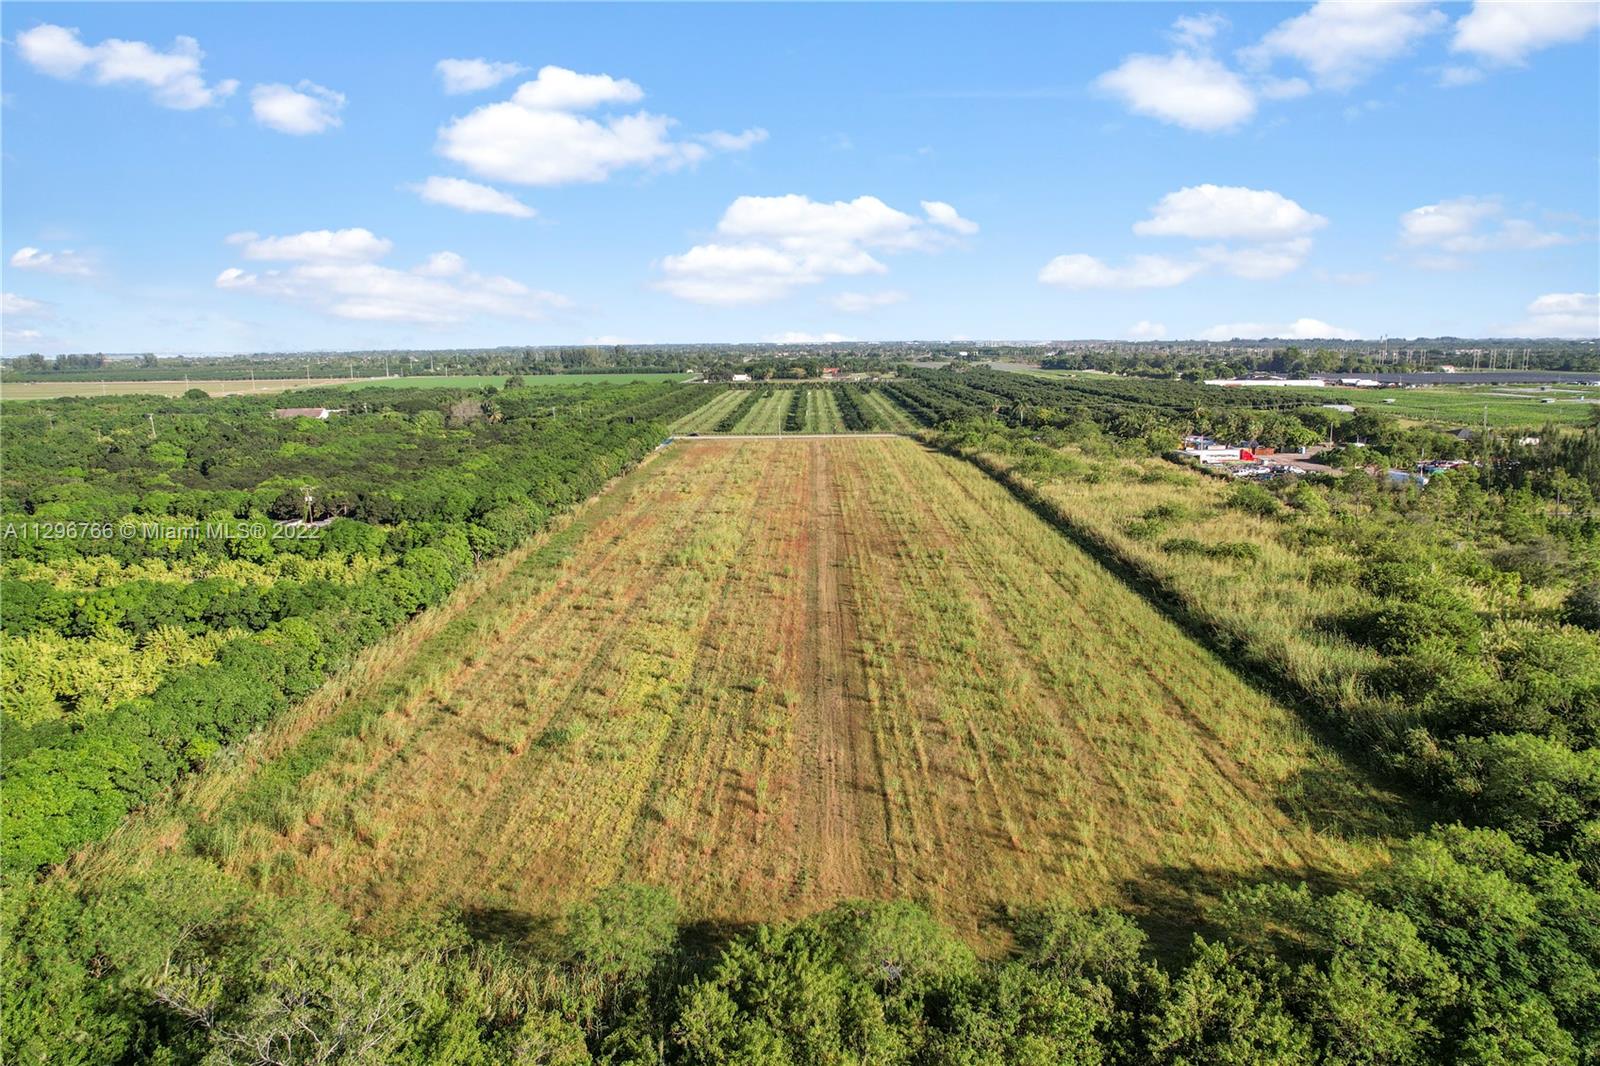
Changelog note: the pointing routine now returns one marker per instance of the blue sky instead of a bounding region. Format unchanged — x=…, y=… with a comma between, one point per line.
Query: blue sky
x=195, y=177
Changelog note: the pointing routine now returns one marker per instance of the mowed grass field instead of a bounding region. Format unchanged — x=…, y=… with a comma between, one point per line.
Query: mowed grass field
x=769, y=675
x=47, y=390
x=1504, y=406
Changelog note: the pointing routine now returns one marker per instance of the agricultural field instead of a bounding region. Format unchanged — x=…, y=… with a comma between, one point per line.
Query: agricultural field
x=771, y=675
x=46, y=390
x=1501, y=406
x=766, y=415
x=775, y=409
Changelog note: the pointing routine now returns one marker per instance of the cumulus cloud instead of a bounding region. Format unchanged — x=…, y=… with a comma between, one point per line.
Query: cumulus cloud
x=471, y=197
x=173, y=77
x=1145, y=330
x=733, y=142
x=1342, y=42
x=1453, y=77
x=19, y=306
x=1470, y=224
x=541, y=137
x=942, y=214
x=1259, y=262
x=1196, y=31
x=771, y=245
x=1182, y=89
x=1561, y=314
x=1507, y=33
x=1271, y=231
x=861, y=302
x=320, y=245
x=798, y=337
x=1301, y=329
x=1140, y=272
x=300, y=110
x=336, y=272
x=66, y=262
x=1228, y=212
x=474, y=75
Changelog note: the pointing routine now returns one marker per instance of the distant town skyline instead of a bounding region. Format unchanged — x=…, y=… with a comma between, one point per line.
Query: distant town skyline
x=235, y=178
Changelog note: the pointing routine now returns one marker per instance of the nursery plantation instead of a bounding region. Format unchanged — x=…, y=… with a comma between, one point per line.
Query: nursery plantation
x=925, y=716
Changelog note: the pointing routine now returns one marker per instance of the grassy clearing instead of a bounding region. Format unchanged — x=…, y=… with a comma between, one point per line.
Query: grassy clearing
x=768, y=413
x=704, y=419
x=885, y=413
x=1505, y=406
x=46, y=390
x=822, y=412
x=773, y=675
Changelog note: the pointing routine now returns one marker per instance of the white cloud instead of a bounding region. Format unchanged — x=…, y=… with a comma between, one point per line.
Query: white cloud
x=539, y=137
x=471, y=197
x=559, y=89
x=68, y=262
x=1464, y=225
x=1506, y=33
x=306, y=108
x=1196, y=31
x=777, y=243
x=1228, y=212
x=861, y=302
x=797, y=337
x=1454, y=77
x=1341, y=42
x=1283, y=88
x=1146, y=331
x=1259, y=262
x=1301, y=329
x=173, y=77
x=322, y=245
x=1141, y=272
x=1183, y=89
x=12, y=304
x=1561, y=314
x=443, y=265
x=474, y=75
x=942, y=214
x=334, y=272
x=1273, y=229
x=734, y=142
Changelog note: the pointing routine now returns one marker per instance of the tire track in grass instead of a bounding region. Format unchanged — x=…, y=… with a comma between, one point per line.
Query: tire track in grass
x=1213, y=749
x=230, y=796
x=505, y=812
x=727, y=634
x=959, y=626
x=922, y=848
x=415, y=801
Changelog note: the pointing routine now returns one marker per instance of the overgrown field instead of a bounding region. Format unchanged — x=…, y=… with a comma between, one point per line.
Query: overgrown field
x=771, y=675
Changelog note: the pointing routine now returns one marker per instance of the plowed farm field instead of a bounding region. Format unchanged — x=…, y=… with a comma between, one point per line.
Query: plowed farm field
x=771, y=674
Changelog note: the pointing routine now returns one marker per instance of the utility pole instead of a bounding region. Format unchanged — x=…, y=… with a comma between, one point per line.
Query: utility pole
x=152, y=418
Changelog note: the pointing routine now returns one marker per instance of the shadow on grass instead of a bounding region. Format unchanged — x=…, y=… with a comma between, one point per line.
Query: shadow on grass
x=1335, y=803
x=510, y=928
x=1173, y=903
